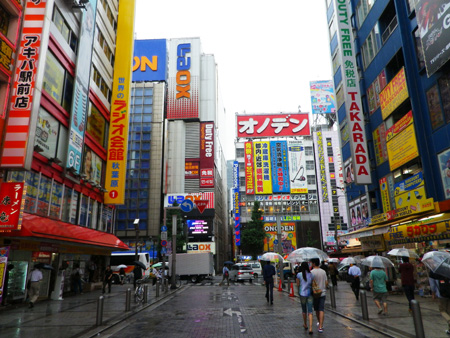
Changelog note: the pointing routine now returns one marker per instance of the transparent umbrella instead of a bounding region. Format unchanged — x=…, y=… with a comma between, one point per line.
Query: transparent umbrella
x=334, y=260
x=271, y=257
x=306, y=254
x=438, y=262
x=403, y=252
x=348, y=261
x=377, y=262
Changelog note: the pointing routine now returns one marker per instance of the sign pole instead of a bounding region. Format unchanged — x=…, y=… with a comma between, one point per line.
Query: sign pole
x=174, y=251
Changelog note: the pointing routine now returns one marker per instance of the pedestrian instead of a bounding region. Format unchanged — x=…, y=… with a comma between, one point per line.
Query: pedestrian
x=268, y=273
x=122, y=275
x=304, y=281
x=324, y=267
x=355, y=273
x=137, y=274
x=439, y=283
x=107, y=279
x=378, y=285
x=34, y=285
x=76, y=279
x=225, y=275
x=92, y=267
x=333, y=273
x=406, y=270
x=320, y=283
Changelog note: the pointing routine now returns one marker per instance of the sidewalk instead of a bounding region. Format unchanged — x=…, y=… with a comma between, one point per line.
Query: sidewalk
x=74, y=316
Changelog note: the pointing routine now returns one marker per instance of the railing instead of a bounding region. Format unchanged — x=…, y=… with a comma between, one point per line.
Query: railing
x=389, y=30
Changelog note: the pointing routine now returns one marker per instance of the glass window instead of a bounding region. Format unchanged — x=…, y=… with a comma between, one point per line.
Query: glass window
x=148, y=100
x=146, y=136
x=148, y=91
x=63, y=141
x=83, y=210
x=139, y=92
x=138, y=100
x=73, y=216
x=96, y=124
x=145, y=164
x=45, y=186
x=133, y=194
x=143, y=203
x=4, y=21
x=135, y=118
x=90, y=214
x=64, y=29
x=146, y=118
x=143, y=193
x=32, y=181
x=55, y=203
x=143, y=214
x=144, y=174
x=66, y=204
x=47, y=130
x=137, y=110
x=145, y=155
x=444, y=89
x=144, y=184
x=147, y=109
x=54, y=78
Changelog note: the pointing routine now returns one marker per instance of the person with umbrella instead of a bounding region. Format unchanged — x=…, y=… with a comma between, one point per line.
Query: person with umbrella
x=406, y=270
x=304, y=282
x=268, y=273
x=378, y=286
x=35, y=284
x=225, y=274
x=355, y=272
x=107, y=279
x=137, y=274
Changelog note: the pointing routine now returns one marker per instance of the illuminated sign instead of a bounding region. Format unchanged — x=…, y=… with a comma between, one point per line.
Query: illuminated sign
x=150, y=60
x=352, y=96
x=201, y=247
x=170, y=199
x=394, y=94
x=274, y=125
x=323, y=175
x=207, y=155
x=191, y=169
x=198, y=227
x=116, y=165
x=235, y=175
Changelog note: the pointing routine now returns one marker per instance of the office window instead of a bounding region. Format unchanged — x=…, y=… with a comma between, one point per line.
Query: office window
x=308, y=151
x=58, y=83
x=311, y=179
x=96, y=125
x=101, y=84
x=309, y=165
x=64, y=29
x=104, y=45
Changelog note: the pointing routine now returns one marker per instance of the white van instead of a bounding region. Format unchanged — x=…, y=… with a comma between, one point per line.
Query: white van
x=127, y=258
x=257, y=269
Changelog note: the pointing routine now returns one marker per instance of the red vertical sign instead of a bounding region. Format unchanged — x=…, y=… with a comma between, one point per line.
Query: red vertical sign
x=207, y=155
x=10, y=205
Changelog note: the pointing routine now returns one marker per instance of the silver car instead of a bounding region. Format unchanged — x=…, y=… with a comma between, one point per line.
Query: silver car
x=241, y=271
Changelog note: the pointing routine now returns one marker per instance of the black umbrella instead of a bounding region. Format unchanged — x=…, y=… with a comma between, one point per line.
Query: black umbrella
x=140, y=264
x=44, y=266
x=228, y=263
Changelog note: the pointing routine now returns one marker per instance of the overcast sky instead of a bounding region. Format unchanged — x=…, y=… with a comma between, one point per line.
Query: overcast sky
x=267, y=52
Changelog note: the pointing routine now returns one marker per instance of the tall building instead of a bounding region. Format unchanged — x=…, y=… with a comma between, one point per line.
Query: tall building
x=71, y=74
x=391, y=75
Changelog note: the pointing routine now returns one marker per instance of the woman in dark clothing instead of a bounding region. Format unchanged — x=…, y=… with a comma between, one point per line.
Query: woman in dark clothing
x=107, y=279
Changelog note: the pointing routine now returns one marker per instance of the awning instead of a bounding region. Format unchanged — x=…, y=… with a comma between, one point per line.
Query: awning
x=36, y=226
x=354, y=249
x=365, y=232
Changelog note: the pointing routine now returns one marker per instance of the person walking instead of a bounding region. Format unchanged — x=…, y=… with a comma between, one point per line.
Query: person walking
x=378, y=285
x=92, y=268
x=320, y=280
x=107, y=279
x=225, y=275
x=35, y=284
x=355, y=272
x=137, y=274
x=122, y=275
x=76, y=279
x=268, y=273
x=304, y=281
x=406, y=270
x=333, y=273
x=439, y=283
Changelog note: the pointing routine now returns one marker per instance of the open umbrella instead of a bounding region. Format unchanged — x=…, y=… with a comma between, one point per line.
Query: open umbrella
x=348, y=261
x=44, y=266
x=438, y=262
x=377, y=262
x=403, y=252
x=334, y=260
x=271, y=257
x=157, y=265
x=121, y=266
x=140, y=264
x=306, y=254
x=228, y=263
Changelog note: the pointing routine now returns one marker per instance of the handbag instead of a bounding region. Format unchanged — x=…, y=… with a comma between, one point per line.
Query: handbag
x=317, y=292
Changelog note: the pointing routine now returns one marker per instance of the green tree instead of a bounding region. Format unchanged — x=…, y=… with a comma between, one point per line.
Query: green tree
x=181, y=236
x=253, y=234
x=309, y=240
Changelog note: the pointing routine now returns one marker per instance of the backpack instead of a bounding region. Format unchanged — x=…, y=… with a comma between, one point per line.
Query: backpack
x=226, y=273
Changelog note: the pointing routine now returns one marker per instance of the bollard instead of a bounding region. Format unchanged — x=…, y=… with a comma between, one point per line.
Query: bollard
x=100, y=310
x=145, y=293
x=332, y=297
x=166, y=285
x=157, y=288
x=417, y=316
x=365, y=311
x=128, y=300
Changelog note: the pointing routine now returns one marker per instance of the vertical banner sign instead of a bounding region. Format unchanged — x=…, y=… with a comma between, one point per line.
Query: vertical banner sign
x=23, y=91
x=237, y=218
x=297, y=167
x=248, y=160
x=80, y=101
x=183, y=95
x=322, y=97
x=207, y=155
x=323, y=174
x=4, y=253
x=11, y=206
x=385, y=199
x=235, y=175
x=116, y=165
x=280, y=170
x=353, y=106
x=263, y=175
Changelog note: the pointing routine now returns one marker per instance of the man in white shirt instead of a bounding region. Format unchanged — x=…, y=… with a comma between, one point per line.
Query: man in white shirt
x=356, y=273
x=35, y=279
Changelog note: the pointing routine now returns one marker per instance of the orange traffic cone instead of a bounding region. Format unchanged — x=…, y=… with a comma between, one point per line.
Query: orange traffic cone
x=280, y=286
x=292, y=290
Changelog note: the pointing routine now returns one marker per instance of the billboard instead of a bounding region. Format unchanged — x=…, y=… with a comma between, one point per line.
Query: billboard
x=288, y=237
x=23, y=93
x=183, y=95
x=352, y=96
x=272, y=125
x=11, y=206
x=116, y=165
x=150, y=60
x=322, y=167
x=170, y=199
x=394, y=94
x=191, y=169
x=199, y=229
x=263, y=172
x=323, y=100
x=280, y=168
x=432, y=19
x=248, y=162
x=80, y=101
x=444, y=167
x=207, y=155
x=297, y=167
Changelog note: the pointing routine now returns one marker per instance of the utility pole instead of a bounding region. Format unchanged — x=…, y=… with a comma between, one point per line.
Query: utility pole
x=174, y=251
x=280, y=247
x=136, y=228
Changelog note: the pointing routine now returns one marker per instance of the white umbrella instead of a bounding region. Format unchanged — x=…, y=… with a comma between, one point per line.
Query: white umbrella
x=334, y=260
x=271, y=257
x=348, y=261
x=306, y=254
x=377, y=262
x=438, y=262
x=403, y=252
x=121, y=266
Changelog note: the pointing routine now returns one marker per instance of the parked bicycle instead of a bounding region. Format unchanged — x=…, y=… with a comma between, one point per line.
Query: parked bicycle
x=139, y=292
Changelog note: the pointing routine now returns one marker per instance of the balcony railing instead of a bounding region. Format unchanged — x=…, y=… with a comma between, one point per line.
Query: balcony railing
x=389, y=30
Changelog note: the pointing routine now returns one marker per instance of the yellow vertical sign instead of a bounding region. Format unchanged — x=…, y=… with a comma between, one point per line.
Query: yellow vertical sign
x=116, y=165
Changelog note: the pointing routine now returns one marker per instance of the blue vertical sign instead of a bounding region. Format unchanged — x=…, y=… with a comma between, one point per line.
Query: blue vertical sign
x=237, y=218
x=280, y=168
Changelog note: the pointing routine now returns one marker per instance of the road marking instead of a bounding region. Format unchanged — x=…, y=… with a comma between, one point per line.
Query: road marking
x=230, y=312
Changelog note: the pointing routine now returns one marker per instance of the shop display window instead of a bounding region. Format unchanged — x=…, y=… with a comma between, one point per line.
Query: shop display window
x=83, y=210
x=47, y=131
x=32, y=181
x=96, y=125
x=17, y=280
x=92, y=166
x=45, y=187
x=56, y=199
x=67, y=204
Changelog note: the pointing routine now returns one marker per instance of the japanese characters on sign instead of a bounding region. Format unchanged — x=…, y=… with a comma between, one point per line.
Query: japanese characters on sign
x=297, y=168
x=6, y=52
x=263, y=174
x=191, y=169
x=237, y=217
x=384, y=191
x=11, y=205
x=322, y=97
x=248, y=162
x=80, y=100
x=272, y=125
x=207, y=155
x=323, y=175
x=394, y=94
x=235, y=175
x=288, y=237
x=17, y=127
x=183, y=93
x=118, y=131
x=280, y=169
x=350, y=85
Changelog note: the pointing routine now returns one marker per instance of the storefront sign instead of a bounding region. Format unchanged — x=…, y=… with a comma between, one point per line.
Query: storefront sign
x=11, y=206
x=207, y=155
x=399, y=126
x=4, y=253
x=379, y=144
x=170, y=199
x=372, y=243
x=116, y=166
x=248, y=162
x=373, y=93
x=191, y=169
x=263, y=173
x=150, y=59
x=6, y=52
x=384, y=191
x=394, y=94
x=271, y=125
x=409, y=184
x=288, y=237
x=201, y=247
x=297, y=167
x=322, y=97
x=402, y=148
x=280, y=169
x=417, y=233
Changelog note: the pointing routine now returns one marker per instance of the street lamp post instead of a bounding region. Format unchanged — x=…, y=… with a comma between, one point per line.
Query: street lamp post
x=136, y=227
